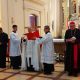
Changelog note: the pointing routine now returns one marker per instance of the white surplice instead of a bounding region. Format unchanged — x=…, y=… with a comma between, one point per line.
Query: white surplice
x=23, y=55
x=47, y=53
x=15, y=44
x=32, y=51
x=36, y=57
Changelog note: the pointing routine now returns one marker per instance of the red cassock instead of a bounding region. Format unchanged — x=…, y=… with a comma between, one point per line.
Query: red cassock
x=29, y=36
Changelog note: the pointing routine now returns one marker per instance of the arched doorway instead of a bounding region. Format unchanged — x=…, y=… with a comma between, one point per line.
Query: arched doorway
x=33, y=19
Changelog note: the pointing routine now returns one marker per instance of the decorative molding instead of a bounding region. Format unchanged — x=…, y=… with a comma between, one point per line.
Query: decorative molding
x=40, y=2
x=28, y=27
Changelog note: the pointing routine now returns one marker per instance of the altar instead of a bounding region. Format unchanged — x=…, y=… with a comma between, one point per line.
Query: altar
x=59, y=47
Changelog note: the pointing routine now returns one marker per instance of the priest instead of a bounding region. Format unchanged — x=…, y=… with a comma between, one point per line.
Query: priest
x=32, y=61
x=72, y=56
x=3, y=48
x=47, y=54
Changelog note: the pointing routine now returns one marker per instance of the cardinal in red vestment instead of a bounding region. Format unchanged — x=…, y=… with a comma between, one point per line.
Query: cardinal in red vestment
x=32, y=34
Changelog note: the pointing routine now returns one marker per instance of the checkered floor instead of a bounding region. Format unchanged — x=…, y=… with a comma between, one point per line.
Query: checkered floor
x=10, y=74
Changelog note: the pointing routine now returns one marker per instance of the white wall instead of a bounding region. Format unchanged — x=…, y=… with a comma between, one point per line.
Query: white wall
x=16, y=15
x=4, y=15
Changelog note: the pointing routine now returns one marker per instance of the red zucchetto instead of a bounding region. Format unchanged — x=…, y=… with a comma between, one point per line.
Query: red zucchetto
x=72, y=22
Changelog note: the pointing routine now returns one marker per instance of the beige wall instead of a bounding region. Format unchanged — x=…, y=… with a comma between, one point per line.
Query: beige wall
x=12, y=13
x=16, y=15
x=17, y=12
x=4, y=15
x=37, y=9
x=0, y=12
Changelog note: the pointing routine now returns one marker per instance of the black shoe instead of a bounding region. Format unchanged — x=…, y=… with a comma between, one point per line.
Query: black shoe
x=47, y=73
x=30, y=69
x=16, y=67
x=70, y=74
x=75, y=74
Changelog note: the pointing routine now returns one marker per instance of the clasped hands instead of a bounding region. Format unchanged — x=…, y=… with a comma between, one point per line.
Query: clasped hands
x=72, y=40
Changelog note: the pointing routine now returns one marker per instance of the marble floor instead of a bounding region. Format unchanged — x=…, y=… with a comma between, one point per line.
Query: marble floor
x=58, y=74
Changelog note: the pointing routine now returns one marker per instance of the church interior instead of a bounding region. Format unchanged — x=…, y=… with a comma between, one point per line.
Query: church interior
x=55, y=13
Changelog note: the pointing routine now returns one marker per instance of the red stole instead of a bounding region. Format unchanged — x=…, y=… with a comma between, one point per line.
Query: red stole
x=31, y=35
x=75, y=56
x=36, y=33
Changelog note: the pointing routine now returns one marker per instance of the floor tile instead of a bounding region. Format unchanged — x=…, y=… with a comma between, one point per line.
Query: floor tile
x=4, y=75
x=50, y=76
x=19, y=77
x=65, y=76
x=12, y=71
x=28, y=73
x=40, y=78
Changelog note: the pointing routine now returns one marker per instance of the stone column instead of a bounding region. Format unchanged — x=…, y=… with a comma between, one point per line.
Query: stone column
x=56, y=17
x=71, y=10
